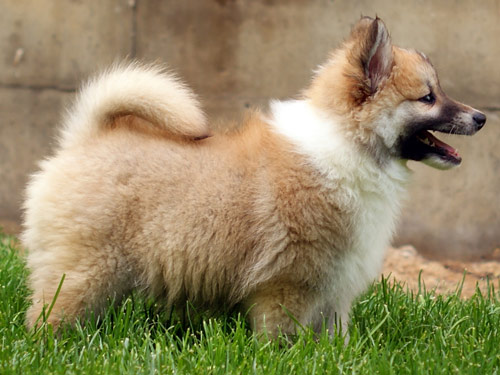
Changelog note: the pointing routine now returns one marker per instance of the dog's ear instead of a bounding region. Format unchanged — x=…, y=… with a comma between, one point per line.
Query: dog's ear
x=373, y=50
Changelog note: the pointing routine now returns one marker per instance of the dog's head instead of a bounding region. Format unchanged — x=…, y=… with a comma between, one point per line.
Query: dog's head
x=391, y=98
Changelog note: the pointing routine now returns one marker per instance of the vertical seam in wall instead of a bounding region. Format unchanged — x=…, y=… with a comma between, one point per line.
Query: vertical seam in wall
x=133, y=37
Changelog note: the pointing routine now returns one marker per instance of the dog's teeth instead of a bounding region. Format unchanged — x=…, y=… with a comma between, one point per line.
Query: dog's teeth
x=426, y=141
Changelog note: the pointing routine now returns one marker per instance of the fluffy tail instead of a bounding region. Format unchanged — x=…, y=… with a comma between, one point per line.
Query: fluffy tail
x=147, y=92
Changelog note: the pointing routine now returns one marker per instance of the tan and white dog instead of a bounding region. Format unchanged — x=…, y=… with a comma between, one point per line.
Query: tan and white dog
x=289, y=215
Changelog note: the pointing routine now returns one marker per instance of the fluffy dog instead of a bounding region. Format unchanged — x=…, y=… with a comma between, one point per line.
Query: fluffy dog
x=288, y=216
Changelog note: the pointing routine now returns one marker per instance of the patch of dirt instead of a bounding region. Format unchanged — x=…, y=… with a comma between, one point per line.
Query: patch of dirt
x=404, y=265
x=10, y=227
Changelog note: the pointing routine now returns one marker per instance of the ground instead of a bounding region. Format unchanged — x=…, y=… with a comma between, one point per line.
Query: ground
x=404, y=264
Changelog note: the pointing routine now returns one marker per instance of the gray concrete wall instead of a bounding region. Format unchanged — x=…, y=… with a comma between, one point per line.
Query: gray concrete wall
x=241, y=53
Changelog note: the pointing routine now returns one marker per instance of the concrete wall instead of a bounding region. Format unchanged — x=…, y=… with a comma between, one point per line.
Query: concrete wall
x=241, y=53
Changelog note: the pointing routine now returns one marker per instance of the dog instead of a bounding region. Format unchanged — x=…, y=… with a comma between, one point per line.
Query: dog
x=287, y=217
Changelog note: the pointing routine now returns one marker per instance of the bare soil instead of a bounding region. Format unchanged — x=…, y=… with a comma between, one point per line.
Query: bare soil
x=405, y=264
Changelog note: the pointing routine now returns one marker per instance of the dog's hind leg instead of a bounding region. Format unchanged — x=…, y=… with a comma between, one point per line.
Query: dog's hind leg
x=88, y=283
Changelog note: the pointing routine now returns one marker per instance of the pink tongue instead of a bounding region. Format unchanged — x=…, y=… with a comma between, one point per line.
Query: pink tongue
x=450, y=150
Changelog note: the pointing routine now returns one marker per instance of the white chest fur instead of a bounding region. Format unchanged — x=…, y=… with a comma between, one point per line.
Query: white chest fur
x=375, y=191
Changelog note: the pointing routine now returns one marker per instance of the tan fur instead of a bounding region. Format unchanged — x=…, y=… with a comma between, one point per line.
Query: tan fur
x=190, y=219
x=145, y=91
x=258, y=217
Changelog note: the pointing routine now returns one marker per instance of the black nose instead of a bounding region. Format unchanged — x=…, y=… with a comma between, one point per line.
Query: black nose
x=480, y=119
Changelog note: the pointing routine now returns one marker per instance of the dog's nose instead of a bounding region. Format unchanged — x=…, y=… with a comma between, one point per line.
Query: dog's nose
x=480, y=119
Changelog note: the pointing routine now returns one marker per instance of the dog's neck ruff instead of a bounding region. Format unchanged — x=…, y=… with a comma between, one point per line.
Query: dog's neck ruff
x=311, y=131
x=321, y=138
x=374, y=191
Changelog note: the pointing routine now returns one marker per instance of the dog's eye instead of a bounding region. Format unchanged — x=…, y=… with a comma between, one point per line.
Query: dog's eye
x=428, y=99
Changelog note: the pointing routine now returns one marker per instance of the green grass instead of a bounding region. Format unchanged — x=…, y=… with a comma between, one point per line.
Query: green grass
x=393, y=332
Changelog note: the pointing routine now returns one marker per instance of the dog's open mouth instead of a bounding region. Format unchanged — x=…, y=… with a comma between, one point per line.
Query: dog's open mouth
x=434, y=146
x=425, y=147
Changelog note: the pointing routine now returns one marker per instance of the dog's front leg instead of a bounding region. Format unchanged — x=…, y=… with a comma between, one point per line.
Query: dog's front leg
x=329, y=316
x=280, y=308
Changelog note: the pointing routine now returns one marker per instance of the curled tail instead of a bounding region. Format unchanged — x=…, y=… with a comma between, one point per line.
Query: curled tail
x=147, y=92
